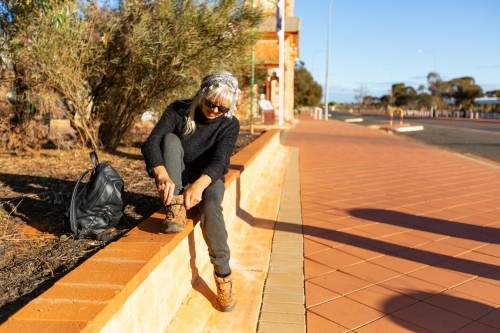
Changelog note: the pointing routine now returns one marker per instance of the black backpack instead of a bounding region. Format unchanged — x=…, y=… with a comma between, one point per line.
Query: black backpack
x=99, y=205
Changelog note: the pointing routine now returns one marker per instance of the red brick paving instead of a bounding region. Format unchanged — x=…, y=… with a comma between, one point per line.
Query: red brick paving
x=399, y=236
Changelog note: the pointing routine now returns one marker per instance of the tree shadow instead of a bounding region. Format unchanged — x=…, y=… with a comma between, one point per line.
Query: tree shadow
x=335, y=238
x=127, y=155
x=42, y=202
x=11, y=307
x=427, y=309
x=443, y=227
x=32, y=208
x=462, y=144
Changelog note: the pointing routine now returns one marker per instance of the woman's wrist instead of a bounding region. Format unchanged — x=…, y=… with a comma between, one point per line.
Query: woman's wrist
x=204, y=181
x=160, y=172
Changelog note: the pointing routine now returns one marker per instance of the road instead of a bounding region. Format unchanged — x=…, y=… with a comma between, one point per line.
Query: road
x=481, y=139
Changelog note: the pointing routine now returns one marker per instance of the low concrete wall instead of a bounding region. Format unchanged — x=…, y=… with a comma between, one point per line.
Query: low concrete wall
x=137, y=283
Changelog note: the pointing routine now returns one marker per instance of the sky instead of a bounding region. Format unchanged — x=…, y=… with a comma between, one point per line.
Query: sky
x=375, y=43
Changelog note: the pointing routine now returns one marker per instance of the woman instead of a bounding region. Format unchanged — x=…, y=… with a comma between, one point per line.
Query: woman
x=188, y=154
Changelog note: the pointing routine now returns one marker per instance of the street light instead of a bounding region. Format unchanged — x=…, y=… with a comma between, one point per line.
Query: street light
x=431, y=113
x=328, y=56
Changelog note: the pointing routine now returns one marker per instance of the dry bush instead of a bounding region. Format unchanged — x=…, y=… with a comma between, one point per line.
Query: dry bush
x=109, y=66
x=26, y=137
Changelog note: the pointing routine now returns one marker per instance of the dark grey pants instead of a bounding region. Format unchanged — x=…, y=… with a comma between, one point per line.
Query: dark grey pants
x=210, y=208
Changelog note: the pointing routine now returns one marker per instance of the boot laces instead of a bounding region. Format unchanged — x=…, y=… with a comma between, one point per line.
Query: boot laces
x=225, y=290
x=173, y=213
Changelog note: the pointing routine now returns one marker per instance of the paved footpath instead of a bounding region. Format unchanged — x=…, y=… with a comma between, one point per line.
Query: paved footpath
x=398, y=236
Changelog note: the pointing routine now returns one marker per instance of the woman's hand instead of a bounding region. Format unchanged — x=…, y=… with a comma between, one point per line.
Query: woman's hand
x=164, y=185
x=193, y=195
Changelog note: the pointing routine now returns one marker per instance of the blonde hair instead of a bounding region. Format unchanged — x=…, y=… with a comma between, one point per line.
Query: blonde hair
x=221, y=94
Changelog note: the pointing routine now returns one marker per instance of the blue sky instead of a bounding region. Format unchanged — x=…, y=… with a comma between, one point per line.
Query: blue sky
x=376, y=42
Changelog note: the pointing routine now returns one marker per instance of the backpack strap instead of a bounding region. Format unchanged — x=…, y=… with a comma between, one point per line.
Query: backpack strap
x=72, y=208
x=94, y=158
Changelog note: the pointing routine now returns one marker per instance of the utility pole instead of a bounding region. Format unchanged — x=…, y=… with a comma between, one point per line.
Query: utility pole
x=281, y=37
x=328, y=57
x=252, y=78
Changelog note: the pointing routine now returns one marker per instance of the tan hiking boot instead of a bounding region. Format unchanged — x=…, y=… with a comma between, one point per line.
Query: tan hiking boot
x=176, y=216
x=226, y=294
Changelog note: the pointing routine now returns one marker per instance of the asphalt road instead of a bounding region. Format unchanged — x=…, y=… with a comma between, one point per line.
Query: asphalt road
x=481, y=139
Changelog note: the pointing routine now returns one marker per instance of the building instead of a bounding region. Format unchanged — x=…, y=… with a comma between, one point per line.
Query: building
x=267, y=54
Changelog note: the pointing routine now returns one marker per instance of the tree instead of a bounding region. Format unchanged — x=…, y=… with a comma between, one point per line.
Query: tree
x=370, y=100
x=404, y=95
x=493, y=93
x=22, y=123
x=440, y=90
x=385, y=101
x=375, y=100
x=464, y=90
x=109, y=66
x=360, y=93
x=307, y=92
x=424, y=100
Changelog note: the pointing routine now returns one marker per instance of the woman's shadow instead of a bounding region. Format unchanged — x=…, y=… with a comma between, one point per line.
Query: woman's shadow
x=197, y=282
x=152, y=225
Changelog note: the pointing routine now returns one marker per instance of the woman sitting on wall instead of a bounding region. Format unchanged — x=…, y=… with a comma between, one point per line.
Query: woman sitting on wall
x=187, y=154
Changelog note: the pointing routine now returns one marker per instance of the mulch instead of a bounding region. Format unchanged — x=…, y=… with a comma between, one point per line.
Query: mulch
x=35, y=250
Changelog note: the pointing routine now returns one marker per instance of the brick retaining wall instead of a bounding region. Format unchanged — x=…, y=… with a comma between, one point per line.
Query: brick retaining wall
x=137, y=283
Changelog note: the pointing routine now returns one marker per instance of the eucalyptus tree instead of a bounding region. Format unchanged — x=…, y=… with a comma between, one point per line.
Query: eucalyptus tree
x=464, y=90
x=493, y=93
x=307, y=92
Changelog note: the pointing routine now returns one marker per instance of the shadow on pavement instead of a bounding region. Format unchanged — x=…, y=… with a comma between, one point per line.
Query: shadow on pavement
x=334, y=239
x=430, y=312
x=423, y=223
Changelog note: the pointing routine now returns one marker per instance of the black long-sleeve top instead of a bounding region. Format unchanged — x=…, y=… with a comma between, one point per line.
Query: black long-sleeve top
x=207, y=150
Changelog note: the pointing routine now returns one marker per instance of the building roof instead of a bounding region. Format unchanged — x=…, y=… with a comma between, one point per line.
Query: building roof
x=487, y=100
x=292, y=24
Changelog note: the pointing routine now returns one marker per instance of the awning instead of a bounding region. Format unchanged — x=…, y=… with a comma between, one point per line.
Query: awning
x=292, y=24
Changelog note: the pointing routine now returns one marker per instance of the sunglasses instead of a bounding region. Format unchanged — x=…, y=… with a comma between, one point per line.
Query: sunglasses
x=212, y=105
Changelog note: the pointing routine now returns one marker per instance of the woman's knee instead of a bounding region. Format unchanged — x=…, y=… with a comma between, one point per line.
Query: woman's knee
x=214, y=194
x=171, y=145
x=171, y=140
x=209, y=206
